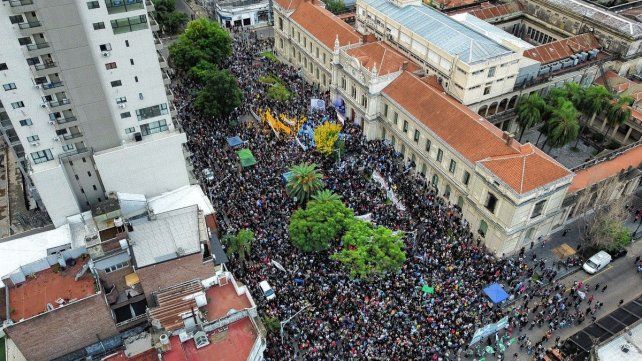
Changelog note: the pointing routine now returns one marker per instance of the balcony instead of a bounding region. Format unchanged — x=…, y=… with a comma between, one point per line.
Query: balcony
x=38, y=49
x=20, y=7
x=50, y=88
x=71, y=136
x=149, y=5
x=166, y=79
x=30, y=27
x=44, y=69
x=162, y=61
x=66, y=120
x=121, y=6
x=158, y=43
x=153, y=24
x=172, y=110
x=59, y=103
x=170, y=94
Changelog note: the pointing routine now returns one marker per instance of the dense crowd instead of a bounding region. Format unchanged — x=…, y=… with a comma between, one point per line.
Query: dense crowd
x=389, y=317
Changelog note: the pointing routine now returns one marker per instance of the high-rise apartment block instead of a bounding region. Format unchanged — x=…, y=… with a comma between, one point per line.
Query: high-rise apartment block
x=85, y=104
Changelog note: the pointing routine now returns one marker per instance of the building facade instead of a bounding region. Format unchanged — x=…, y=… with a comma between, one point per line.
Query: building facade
x=240, y=13
x=86, y=104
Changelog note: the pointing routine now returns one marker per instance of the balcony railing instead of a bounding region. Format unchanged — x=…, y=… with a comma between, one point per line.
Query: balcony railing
x=37, y=46
x=15, y=3
x=71, y=136
x=52, y=85
x=30, y=24
x=120, y=6
x=65, y=120
x=46, y=65
x=57, y=103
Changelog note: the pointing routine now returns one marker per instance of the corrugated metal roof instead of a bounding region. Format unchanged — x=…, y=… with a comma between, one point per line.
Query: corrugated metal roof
x=439, y=29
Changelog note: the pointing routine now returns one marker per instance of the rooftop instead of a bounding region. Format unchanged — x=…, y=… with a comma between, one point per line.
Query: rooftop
x=495, y=11
x=562, y=49
x=170, y=235
x=50, y=286
x=382, y=57
x=632, y=340
x=521, y=167
x=446, y=33
x=232, y=344
x=149, y=355
x=323, y=25
x=603, y=170
x=173, y=302
x=491, y=31
x=223, y=299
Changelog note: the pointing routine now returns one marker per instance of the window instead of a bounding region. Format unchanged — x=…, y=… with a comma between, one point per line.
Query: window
x=487, y=90
x=118, y=266
x=395, y=118
x=116, y=83
x=3, y=66
x=405, y=126
x=95, y=188
x=491, y=72
x=93, y=5
x=364, y=101
x=33, y=138
x=99, y=25
x=483, y=228
x=447, y=192
x=88, y=174
x=136, y=79
x=42, y=156
x=121, y=100
x=127, y=43
x=538, y=209
x=435, y=180
x=125, y=115
x=428, y=145
x=131, y=61
x=440, y=155
x=9, y=86
x=16, y=105
x=130, y=130
x=452, y=166
x=281, y=24
x=343, y=84
x=110, y=66
x=151, y=112
x=126, y=25
x=416, y=137
x=491, y=202
x=24, y=41
x=466, y=178
x=119, y=6
x=105, y=47
x=67, y=148
x=154, y=127
x=16, y=19
x=385, y=110
x=353, y=92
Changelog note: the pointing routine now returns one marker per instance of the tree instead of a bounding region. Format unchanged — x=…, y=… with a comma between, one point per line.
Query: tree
x=240, y=244
x=618, y=113
x=326, y=196
x=202, y=71
x=529, y=112
x=317, y=226
x=202, y=40
x=563, y=127
x=272, y=324
x=219, y=95
x=596, y=99
x=278, y=92
x=325, y=137
x=606, y=229
x=306, y=180
x=335, y=6
x=369, y=250
x=168, y=18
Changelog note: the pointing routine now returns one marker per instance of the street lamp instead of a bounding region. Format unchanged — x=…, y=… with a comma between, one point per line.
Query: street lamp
x=283, y=323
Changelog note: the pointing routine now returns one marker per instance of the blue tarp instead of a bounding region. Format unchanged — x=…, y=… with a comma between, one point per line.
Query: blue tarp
x=286, y=177
x=234, y=141
x=496, y=293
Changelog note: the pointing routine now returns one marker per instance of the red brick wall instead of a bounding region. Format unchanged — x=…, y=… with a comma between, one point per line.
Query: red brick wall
x=64, y=330
x=162, y=275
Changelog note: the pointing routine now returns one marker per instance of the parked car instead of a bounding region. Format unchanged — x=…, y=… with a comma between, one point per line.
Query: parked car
x=268, y=292
x=597, y=262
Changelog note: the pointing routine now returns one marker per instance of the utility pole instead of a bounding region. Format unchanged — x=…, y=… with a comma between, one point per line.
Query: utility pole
x=283, y=323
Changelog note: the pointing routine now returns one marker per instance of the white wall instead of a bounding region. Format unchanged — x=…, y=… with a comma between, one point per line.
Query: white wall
x=56, y=193
x=149, y=167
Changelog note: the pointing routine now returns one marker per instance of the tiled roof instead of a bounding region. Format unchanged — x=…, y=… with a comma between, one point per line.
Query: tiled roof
x=289, y=4
x=324, y=25
x=490, y=12
x=603, y=170
x=522, y=167
x=562, y=49
x=439, y=29
x=173, y=302
x=383, y=57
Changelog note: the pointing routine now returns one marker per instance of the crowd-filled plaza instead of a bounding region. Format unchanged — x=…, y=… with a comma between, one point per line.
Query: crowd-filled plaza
x=388, y=317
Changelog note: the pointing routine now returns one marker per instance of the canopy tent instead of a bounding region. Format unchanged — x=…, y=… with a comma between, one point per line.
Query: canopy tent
x=234, y=141
x=427, y=289
x=496, y=293
x=246, y=157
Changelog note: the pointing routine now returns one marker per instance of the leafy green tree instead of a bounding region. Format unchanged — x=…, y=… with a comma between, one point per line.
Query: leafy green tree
x=168, y=18
x=272, y=324
x=219, y=95
x=529, y=112
x=618, y=113
x=240, y=243
x=202, y=71
x=202, y=39
x=317, y=226
x=563, y=127
x=326, y=196
x=278, y=92
x=369, y=250
x=306, y=180
x=335, y=6
x=596, y=99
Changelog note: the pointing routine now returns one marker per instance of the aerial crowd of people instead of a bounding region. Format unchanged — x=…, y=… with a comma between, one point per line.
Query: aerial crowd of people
x=329, y=314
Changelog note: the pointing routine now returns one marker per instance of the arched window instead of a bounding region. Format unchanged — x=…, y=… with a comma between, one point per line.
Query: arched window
x=482, y=111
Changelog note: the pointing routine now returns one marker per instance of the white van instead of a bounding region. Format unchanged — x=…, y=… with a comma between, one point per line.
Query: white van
x=597, y=262
x=268, y=292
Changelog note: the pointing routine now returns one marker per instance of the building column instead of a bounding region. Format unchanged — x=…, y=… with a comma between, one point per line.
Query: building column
x=371, y=128
x=628, y=134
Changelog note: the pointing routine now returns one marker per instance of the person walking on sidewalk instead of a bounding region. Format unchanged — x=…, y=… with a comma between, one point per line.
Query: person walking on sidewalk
x=604, y=288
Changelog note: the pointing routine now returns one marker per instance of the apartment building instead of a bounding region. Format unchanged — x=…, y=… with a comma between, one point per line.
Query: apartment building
x=85, y=103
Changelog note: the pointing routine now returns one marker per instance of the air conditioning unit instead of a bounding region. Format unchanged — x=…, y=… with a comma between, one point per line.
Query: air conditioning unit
x=43, y=105
x=105, y=54
x=51, y=122
x=37, y=86
x=121, y=106
x=34, y=144
x=56, y=139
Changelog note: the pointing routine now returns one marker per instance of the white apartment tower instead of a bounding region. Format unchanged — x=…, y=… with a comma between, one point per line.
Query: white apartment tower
x=85, y=104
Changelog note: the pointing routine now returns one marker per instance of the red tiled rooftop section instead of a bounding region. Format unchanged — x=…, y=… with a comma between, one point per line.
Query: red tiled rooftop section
x=221, y=299
x=562, y=49
x=447, y=4
x=149, y=355
x=234, y=344
x=383, y=57
x=31, y=297
x=433, y=81
x=594, y=174
x=493, y=11
x=324, y=25
x=474, y=137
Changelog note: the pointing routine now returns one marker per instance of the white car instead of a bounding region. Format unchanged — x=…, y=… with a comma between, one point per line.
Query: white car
x=597, y=262
x=268, y=292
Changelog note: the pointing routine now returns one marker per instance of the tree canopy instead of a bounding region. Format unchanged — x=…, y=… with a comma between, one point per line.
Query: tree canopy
x=335, y=6
x=306, y=180
x=168, y=18
x=202, y=39
x=529, y=112
x=220, y=93
x=326, y=136
x=240, y=243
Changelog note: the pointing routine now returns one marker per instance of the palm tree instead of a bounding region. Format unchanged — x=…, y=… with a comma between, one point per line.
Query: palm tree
x=618, y=113
x=595, y=100
x=241, y=243
x=563, y=126
x=529, y=112
x=326, y=196
x=304, y=182
x=574, y=93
